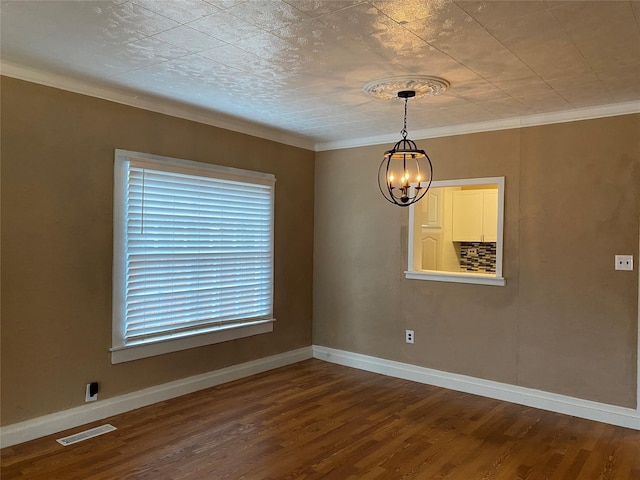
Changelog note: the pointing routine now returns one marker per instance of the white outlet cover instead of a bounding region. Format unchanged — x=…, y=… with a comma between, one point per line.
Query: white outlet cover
x=624, y=262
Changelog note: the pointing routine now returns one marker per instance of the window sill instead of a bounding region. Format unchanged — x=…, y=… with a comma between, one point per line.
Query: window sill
x=136, y=352
x=476, y=278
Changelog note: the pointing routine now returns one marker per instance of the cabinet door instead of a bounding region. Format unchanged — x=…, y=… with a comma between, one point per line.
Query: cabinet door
x=432, y=209
x=490, y=216
x=430, y=252
x=467, y=216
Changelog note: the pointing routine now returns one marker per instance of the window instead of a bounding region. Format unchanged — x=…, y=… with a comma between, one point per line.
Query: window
x=455, y=232
x=193, y=255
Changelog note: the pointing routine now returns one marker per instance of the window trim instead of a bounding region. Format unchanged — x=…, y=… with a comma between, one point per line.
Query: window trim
x=462, y=277
x=136, y=352
x=124, y=353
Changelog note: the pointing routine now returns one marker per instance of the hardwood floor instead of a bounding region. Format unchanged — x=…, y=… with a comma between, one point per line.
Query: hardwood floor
x=316, y=420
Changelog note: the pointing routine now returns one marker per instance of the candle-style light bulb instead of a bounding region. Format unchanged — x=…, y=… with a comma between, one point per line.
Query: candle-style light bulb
x=419, y=178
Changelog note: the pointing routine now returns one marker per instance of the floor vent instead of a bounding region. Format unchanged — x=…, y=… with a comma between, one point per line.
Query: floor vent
x=78, y=437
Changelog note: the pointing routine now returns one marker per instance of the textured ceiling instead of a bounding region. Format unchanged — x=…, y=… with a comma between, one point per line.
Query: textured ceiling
x=299, y=65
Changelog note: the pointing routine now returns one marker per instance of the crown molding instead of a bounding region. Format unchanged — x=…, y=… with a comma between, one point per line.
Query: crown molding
x=152, y=103
x=578, y=114
x=189, y=112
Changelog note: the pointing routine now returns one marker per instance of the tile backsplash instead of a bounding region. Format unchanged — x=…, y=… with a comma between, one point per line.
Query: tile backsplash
x=478, y=257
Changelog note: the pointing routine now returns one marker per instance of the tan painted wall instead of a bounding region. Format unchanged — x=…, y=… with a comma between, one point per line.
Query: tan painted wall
x=57, y=179
x=566, y=322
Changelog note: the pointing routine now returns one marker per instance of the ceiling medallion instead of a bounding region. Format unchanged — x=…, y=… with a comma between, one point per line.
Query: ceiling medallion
x=422, y=85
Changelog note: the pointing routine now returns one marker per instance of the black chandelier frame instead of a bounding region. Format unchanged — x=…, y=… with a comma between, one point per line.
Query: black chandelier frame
x=404, y=192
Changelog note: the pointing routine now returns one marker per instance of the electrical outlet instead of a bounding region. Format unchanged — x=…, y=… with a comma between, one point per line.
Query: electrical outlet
x=91, y=394
x=624, y=262
x=408, y=336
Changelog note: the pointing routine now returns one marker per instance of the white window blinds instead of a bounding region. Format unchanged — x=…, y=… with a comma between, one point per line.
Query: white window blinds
x=198, y=251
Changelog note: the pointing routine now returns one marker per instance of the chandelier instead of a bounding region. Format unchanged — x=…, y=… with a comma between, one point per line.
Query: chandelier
x=404, y=176
x=406, y=172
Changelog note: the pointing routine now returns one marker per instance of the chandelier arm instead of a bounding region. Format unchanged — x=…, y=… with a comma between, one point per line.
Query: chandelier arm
x=387, y=184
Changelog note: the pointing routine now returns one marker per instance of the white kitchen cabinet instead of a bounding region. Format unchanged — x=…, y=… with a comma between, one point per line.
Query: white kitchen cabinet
x=432, y=209
x=475, y=216
x=490, y=216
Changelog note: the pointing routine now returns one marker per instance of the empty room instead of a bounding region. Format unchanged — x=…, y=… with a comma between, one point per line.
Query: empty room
x=319, y=239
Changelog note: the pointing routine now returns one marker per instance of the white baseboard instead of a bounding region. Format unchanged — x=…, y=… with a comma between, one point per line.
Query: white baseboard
x=600, y=412
x=91, y=412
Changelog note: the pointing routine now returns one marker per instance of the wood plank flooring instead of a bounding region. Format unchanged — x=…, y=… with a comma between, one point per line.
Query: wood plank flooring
x=316, y=420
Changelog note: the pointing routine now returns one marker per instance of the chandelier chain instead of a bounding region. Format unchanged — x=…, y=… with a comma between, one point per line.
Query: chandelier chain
x=403, y=132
